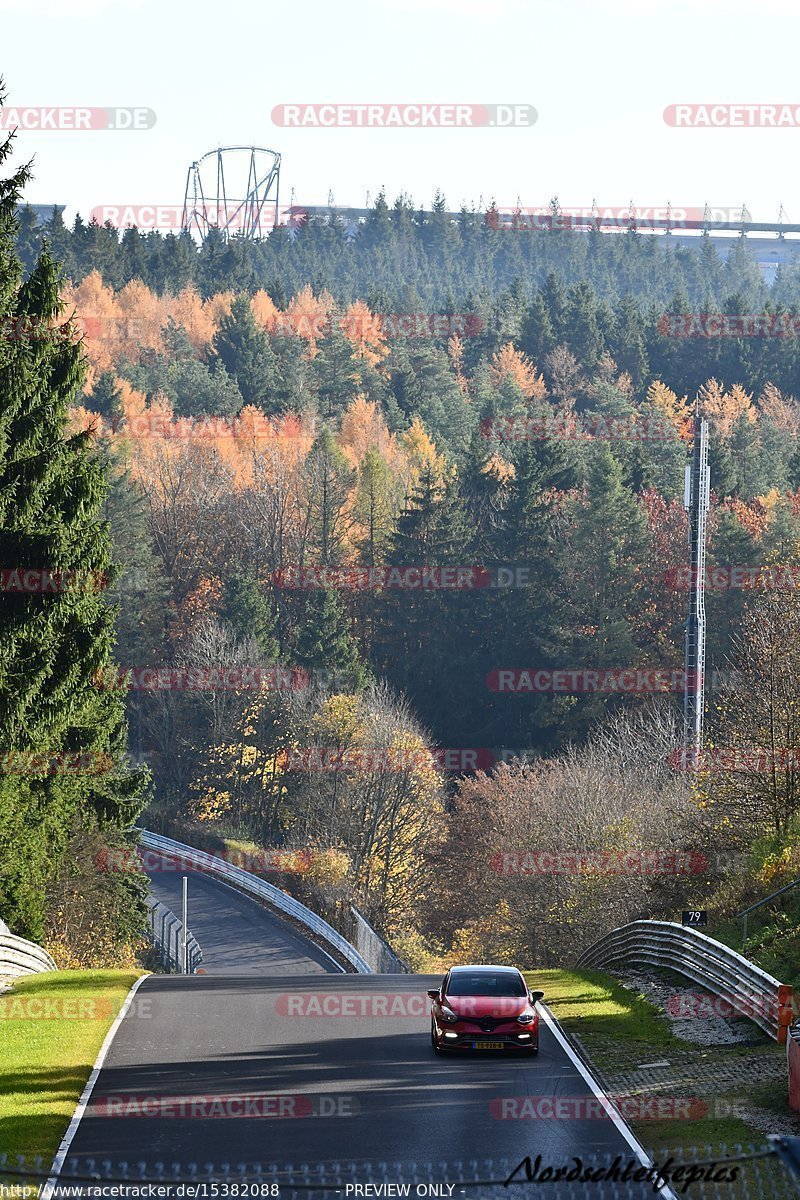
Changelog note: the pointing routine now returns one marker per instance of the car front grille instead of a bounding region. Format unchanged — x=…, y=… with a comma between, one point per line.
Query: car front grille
x=487, y=1024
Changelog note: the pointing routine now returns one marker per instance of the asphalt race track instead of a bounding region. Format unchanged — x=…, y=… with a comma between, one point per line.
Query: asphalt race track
x=235, y=933
x=236, y=1069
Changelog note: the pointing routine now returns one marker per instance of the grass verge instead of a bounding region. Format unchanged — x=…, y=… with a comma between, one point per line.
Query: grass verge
x=581, y=999
x=621, y=1031
x=51, y=1028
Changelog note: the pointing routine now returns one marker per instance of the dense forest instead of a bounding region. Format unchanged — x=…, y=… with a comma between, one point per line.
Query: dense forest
x=375, y=449
x=596, y=293
x=281, y=423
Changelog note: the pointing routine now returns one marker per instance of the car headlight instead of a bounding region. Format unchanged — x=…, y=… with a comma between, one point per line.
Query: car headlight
x=526, y=1018
x=448, y=1015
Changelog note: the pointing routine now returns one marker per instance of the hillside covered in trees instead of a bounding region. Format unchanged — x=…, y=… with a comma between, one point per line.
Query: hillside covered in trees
x=371, y=448
x=282, y=423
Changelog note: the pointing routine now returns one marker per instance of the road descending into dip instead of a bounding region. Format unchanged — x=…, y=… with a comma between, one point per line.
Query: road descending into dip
x=275, y=1057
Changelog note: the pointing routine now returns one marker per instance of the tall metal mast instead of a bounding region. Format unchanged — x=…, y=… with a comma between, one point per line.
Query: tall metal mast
x=696, y=502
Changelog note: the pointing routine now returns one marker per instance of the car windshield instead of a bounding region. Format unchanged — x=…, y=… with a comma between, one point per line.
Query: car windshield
x=486, y=983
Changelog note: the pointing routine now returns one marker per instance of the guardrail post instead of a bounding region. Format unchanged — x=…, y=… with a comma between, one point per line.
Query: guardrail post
x=793, y=1063
x=185, y=927
x=785, y=1010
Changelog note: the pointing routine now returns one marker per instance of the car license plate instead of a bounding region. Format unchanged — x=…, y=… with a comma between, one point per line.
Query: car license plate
x=487, y=1045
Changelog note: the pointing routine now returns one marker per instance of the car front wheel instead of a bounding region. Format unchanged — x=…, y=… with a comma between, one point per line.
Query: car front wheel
x=437, y=1049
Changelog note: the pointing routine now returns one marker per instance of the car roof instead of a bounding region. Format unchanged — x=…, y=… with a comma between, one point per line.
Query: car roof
x=485, y=967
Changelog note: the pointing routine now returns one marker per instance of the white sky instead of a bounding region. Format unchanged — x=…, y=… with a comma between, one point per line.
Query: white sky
x=599, y=75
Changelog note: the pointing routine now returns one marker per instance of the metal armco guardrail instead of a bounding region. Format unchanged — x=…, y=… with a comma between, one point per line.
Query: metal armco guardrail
x=20, y=957
x=167, y=933
x=254, y=886
x=718, y=969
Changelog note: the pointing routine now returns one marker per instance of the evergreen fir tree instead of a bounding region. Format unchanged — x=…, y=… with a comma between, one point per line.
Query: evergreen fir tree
x=583, y=334
x=324, y=645
x=422, y=647
x=537, y=337
x=245, y=352
x=330, y=478
x=374, y=508
x=29, y=238
x=745, y=452
x=177, y=262
x=336, y=373
x=246, y=609
x=55, y=645
x=722, y=468
x=526, y=617
x=608, y=546
x=105, y=396
x=627, y=342
x=731, y=545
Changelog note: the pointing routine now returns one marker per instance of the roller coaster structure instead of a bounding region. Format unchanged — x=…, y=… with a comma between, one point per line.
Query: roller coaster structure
x=233, y=189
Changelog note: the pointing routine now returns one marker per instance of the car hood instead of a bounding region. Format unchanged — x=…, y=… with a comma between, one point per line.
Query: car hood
x=488, y=1006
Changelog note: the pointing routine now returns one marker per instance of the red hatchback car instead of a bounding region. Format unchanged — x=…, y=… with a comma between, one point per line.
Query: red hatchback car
x=484, y=1008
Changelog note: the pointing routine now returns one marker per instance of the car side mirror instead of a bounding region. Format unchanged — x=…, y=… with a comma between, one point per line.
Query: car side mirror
x=536, y=997
x=433, y=993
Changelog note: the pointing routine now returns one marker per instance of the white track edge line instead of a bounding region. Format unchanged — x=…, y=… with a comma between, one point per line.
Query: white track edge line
x=612, y=1110
x=72, y=1128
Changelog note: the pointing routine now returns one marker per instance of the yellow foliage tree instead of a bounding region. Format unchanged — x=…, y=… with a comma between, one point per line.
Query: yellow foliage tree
x=666, y=403
x=95, y=309
x=197, y=318
x=141, y=315
x=363, y=428
x=419, y=455
x=455, y=352
x=265, y=310
x=724, y=409
x=510, y=363
x=363, y=329
x=217, y=307
x=308, y=316
x=782, y=411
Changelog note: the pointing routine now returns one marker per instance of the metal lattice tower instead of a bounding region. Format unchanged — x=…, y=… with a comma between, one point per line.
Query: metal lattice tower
x=233, y=189
x=696, y=502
